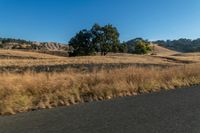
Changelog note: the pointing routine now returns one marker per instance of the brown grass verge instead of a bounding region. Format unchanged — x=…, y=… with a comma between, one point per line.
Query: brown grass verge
x=30, y=91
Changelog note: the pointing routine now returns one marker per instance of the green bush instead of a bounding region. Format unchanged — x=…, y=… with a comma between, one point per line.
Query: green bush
x=142, y=47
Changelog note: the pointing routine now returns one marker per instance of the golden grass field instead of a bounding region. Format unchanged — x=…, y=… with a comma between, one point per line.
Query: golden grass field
x=30, y=80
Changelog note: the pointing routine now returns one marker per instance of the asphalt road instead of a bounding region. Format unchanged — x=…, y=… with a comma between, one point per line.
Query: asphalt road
x=176, y=111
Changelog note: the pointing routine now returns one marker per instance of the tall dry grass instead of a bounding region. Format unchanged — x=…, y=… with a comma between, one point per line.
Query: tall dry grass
x=30, y=91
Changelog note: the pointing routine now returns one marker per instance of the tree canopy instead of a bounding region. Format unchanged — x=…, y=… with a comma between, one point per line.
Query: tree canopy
x=82, y=44
x=101, y=39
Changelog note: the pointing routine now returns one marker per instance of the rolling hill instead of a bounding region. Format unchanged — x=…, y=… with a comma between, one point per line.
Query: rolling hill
x=8, y=43
x=181, y=45
x=159, y=50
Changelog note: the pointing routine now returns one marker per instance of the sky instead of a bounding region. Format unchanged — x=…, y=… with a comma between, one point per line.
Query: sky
x=59, y=20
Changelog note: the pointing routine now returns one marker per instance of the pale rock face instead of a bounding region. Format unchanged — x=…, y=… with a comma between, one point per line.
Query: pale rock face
x=49, y=46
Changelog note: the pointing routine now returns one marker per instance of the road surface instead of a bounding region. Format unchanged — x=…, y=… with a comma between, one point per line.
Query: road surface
x=175, y=111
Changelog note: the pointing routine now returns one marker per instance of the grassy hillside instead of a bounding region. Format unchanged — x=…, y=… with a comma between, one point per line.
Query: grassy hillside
x=181, y=45
x=9, y=43
x=17, y=54
x=31, y=80
x=159, y=50
x=20, y=61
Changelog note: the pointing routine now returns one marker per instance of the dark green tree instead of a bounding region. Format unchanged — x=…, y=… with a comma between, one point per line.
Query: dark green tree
x=81, y=44
x=99, y=39
x=1, y=45
x=106, y=38
x=110, y=41
x=123, y=48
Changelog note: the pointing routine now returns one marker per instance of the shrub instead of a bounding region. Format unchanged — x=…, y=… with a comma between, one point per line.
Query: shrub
x=142, y=47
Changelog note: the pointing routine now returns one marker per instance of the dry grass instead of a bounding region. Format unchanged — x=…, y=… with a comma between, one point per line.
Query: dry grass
x=158, y=50
x=82, y=60
x=9, y=58
x=65, y=62
x=17, y=54
x=20, y=92
x=43, y=62
x=29, y=91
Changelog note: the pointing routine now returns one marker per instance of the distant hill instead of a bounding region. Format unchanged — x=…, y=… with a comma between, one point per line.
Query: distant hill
x=156, y=48
x=159, y=50
x=9, y=43
x=181, y=45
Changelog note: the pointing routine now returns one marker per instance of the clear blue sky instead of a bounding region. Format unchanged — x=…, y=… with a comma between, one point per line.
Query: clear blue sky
x=59, y=20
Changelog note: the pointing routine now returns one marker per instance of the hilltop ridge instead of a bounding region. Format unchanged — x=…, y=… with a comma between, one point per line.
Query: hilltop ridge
x=9, y=43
